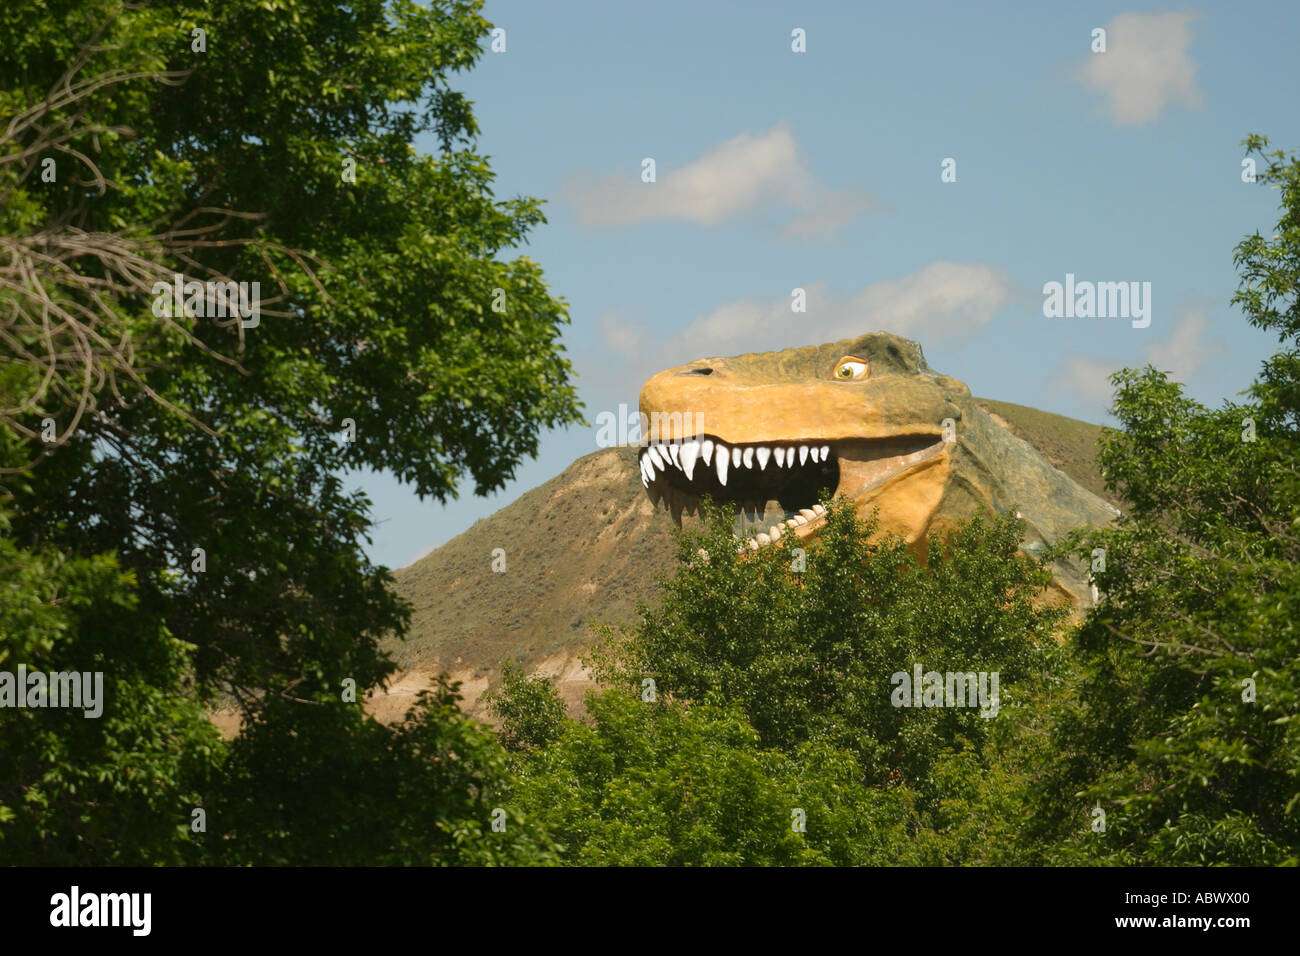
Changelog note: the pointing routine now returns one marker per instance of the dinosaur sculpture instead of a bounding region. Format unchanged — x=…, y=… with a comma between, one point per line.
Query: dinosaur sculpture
x=865, y=418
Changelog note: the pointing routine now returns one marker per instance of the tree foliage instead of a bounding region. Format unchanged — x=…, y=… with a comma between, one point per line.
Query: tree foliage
x=230, y=154
x=810, y=654
x=666, y=784
x=531, y=713
x=773, y=695
x=119, y=788
x=1184, y=724
x=328, y=785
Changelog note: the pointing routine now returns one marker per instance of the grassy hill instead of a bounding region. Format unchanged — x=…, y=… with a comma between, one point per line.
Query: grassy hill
x=582, y=548
x=1069, y=444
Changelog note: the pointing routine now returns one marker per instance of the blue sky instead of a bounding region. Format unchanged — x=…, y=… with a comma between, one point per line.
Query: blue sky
x=822, y=170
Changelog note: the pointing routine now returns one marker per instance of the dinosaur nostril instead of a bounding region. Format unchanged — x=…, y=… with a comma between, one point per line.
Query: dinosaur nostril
x=698, y=371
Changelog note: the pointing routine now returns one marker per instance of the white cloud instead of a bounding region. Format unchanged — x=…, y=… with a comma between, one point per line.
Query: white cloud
x=1145, y=67
x=1182, y=356
x=625, y=338
x=1087, y=378
x=943, y=300
x=1186, y=351
x=748, y=172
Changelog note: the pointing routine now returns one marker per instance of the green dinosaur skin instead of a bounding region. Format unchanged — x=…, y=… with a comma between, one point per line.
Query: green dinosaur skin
x=903, y=439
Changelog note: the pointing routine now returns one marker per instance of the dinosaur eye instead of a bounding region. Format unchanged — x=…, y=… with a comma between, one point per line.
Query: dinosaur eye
x=849, y=369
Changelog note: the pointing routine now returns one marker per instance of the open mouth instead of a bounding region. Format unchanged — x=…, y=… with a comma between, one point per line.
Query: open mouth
x=775, y=487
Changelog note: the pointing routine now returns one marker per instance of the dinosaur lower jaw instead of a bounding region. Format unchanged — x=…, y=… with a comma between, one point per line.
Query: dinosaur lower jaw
x=776, y=486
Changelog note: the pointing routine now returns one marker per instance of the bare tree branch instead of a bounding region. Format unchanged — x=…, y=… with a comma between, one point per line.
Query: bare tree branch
x=75, y=303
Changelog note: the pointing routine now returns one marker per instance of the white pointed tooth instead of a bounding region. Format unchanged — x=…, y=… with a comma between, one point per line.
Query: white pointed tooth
x=774, y=532
x=799, y=520
x=749, y=458
x=706, y=450
x=819, y=509
x=672, y=450
x=690, y=450
x=645, y=475
x=763, y=454
x=722, y=461
x=815, y=454
x=735, y=458
x=762, y=538
x=803, y=454
x=808, y=514
x=826, y=452
x=780, y=457
x=656, y=457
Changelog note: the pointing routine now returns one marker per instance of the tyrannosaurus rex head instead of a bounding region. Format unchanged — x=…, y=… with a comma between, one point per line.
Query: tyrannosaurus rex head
x=864, y=418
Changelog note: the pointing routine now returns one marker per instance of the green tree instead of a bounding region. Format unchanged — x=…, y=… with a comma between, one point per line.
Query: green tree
x=1183, y=726
x=663, y=783
x=811, y=654
x=114, y=789
x=280, y=145
x=327, y=785
x=531, y=712
x=773, y=693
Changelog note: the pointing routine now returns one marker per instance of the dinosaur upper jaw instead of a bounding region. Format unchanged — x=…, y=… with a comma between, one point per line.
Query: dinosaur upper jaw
x=781, y=479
